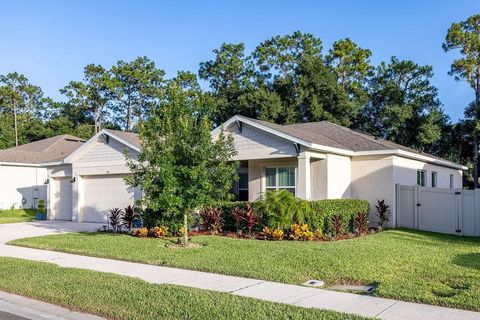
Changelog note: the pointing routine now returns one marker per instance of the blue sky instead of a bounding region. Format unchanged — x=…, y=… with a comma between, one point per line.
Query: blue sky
x=51, y=41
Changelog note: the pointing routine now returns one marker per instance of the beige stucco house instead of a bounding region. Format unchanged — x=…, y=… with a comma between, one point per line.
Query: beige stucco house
x=322, y=160
x=81, y=180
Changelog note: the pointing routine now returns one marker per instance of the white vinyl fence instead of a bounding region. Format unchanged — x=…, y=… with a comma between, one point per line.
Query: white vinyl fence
x=453, y=211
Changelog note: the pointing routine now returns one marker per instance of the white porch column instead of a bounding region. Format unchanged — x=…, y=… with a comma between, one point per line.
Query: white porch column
x=303, y=178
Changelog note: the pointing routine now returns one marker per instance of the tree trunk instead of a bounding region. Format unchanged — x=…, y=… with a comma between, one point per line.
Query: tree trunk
x=185, y=226
x=15, y=122
x=129, y=116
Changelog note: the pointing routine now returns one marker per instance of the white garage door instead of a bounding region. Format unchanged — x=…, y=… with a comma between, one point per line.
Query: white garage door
x=62, y=199
x=101, y=193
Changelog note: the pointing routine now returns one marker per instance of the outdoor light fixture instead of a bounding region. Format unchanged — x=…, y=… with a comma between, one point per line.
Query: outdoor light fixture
x=73, y=180
x=47, y=181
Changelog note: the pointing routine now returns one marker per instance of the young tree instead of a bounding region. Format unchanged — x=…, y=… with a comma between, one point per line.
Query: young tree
x=465, y=36
x=180, y=167
x=135, y=86
x=93, y=94
x=19, y=96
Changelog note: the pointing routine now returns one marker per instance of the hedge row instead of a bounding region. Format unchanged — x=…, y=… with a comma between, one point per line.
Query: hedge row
x=323, y=211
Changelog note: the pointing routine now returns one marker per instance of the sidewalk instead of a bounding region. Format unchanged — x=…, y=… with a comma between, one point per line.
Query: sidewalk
x=16, y=307
x=387, y=309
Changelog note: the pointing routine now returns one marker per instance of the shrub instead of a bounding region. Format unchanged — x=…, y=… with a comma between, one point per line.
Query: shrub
x=325, y=209
x=383, y=213
x=128, y=216
x=140, y=232
x=115, y=218
x=212, y=219
x=159, y=232
x=41, y=206
x=361, y=223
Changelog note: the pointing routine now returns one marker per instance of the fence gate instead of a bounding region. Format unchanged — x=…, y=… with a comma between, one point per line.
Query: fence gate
x=452, y=211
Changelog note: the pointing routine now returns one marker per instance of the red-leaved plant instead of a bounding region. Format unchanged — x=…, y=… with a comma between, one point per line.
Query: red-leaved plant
x=360, y=223
x=383, y=213
x=337, y=224
x=238, y=214
x=212, y=219
x=251, y=218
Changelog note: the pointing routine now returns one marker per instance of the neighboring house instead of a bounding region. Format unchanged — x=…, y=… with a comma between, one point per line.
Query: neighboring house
x=318, y=160
x=80, y=180
x=23, y=169
x=322, y=160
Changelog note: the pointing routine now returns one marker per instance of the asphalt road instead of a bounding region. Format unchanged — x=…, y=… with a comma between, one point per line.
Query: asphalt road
x=9, y=316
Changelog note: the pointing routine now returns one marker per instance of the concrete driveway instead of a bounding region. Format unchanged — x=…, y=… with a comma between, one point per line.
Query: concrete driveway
x=12, y=231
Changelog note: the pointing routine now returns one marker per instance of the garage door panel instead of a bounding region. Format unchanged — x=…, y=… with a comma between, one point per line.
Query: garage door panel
x=62, y=199
x=101, y=193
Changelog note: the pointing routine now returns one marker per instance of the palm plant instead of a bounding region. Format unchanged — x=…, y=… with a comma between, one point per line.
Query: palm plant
x=283, y=209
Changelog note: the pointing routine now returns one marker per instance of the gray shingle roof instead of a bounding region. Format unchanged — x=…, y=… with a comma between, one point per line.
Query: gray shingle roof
x=47, y=150
x=129, y=137
x=333, y=135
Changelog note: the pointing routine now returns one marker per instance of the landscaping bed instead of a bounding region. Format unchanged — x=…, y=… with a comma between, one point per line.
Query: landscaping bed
x=17, y=215
x=118, y=297
x=404, y=264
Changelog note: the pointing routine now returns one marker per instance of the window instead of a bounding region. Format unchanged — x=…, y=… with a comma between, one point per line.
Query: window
x=243, y=187
x=421, y=177
x=280, y=178
x=434, y=179
x=451, y=181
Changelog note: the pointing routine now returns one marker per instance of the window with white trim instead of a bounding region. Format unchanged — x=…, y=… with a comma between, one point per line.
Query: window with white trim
x=280, y=178
x=421, y=178
x=434, y=179
x=243, y=186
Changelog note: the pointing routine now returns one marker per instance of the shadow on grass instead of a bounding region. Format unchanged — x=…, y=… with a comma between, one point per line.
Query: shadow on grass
x=468, y=260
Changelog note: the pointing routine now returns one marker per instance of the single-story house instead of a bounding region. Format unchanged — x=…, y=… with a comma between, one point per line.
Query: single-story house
x=81, y=180
x=322, y=160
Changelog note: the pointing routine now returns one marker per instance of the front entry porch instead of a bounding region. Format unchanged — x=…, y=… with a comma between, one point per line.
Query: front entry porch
x=310, y=176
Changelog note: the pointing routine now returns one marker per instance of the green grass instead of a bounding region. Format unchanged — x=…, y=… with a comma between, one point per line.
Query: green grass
x=407, y=265
x=119, y=297
x=17, y=215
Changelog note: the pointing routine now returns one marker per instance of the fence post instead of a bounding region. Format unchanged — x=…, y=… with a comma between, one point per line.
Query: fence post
x=397, y=191
x=416, y=208
x=476, y=213
x=459, y=199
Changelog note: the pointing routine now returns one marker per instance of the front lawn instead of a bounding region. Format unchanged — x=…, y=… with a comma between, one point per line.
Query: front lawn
x=407, y=265
x=17, y=215
x=119, y=297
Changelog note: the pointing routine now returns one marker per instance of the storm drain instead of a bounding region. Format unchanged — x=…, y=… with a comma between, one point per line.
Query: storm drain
x=354, y=288
x=314, y=283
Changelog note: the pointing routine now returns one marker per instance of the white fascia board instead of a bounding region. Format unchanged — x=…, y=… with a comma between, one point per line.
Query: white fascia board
x=19, y=164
